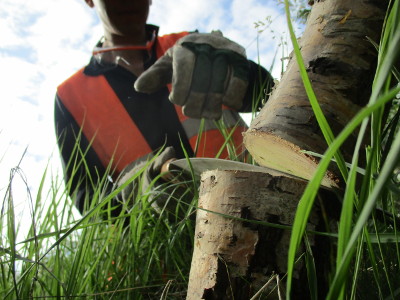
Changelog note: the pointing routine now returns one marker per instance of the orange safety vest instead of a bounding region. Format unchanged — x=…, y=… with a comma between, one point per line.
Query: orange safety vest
x=117, y=139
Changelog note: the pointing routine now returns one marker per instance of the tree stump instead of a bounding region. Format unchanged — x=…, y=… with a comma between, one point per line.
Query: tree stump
x=232, y=258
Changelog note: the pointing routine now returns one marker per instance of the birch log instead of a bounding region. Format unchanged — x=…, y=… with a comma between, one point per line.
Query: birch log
x=232, y=258
x=341, y=63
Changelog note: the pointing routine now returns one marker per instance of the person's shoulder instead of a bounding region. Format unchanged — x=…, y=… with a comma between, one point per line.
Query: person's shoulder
x=178, y=34
x=166, y=41
x=72, y=78
x=175, y=34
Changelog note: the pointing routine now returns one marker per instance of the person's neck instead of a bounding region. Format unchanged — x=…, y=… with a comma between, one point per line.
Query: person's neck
x=139, y=38
x=131, y=60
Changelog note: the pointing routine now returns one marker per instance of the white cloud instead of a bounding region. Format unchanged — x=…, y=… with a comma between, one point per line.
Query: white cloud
x=179, y=15
x=44, y=42
x=236, y=19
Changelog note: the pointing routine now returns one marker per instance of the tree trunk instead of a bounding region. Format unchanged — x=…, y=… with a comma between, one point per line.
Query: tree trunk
x=232, y=258
x=340, y=61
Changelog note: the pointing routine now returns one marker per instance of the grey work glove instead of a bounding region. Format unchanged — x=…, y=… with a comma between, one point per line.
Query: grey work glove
x=127, y=195
x=206, y=71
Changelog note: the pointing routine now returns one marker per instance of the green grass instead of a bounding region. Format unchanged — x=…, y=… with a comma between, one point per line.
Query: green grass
x=67, y=256
x=355, y=252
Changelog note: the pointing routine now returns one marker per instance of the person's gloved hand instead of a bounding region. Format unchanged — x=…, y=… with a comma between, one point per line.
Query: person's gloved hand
x=128, y=194
x=206, y=71
x=154, y=169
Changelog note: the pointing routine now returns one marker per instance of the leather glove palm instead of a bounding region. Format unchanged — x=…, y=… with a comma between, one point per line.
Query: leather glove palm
x=206, y=71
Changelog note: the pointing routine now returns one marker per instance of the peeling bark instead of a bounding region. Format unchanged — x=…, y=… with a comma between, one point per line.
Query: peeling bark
x=232, y=258
x=341, y=64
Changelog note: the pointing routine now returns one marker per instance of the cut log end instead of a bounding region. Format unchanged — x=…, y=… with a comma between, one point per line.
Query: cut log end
x=271, y=151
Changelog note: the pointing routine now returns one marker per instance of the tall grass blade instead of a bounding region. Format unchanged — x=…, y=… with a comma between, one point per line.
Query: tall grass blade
x=307, y=200
x=323, y=123
x=311, y=271
x=385, y=174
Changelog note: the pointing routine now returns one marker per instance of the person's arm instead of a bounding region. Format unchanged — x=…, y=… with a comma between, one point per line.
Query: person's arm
x=259, y=88
x=207, y=71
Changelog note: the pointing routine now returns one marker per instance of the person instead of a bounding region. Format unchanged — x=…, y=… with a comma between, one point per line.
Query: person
x=143, y=94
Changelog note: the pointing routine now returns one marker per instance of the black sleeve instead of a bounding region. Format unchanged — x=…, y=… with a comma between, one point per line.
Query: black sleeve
x=260, y=85
x=83, y=171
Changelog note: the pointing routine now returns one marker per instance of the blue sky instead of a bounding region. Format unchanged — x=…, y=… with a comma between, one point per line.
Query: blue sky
x=46, y=41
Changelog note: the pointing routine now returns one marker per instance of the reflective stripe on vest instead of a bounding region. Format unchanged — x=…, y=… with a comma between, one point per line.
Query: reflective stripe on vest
x=81, y=98
x=217, y=136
